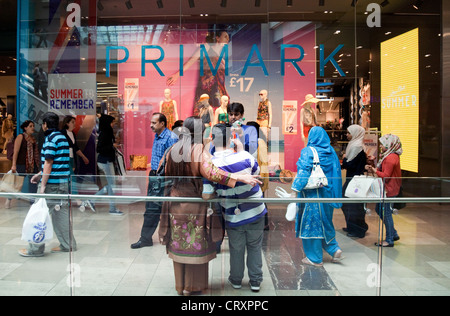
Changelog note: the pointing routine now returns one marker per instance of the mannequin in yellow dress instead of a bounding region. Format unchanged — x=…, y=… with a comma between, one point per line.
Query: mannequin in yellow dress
x=221, y=114
x=264, y=116
x=168, y=107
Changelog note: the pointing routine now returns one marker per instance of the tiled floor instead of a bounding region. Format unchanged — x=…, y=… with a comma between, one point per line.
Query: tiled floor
x=104, y=264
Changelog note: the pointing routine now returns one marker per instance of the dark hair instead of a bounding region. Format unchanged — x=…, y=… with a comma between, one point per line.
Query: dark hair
x=161, y=118
x=51, y=119
x=221, y=134
x=66, y=121
x=257, y=126
x=178, y=123
x=236, y=107
x=26, y=124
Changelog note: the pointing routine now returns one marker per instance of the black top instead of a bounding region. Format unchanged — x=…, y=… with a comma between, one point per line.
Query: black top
x=106, y=139
x=355, y=167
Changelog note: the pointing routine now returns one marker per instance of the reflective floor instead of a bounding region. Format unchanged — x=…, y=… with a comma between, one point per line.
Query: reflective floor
x=104, y=264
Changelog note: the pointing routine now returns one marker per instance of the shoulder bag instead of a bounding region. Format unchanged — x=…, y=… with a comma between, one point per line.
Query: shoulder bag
x=317, y=179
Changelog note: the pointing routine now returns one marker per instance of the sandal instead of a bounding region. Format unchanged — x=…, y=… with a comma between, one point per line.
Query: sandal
x=384, y=244
x=309, y=262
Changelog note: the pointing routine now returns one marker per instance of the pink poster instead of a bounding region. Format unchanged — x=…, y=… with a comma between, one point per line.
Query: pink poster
x=296, y=87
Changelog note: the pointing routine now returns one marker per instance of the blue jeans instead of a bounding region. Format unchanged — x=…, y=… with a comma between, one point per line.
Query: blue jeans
x=384, y=210
x=108, y=170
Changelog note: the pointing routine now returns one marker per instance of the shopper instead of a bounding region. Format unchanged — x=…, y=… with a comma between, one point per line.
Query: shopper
x=25, y=158
x=105, y=160
x=355, y=160
x=244, y=222
x=314, y=223
x=164, y=139
x=389, y=169
x=189, y=230
x=68, y=125
x=55, y=177
x=247, y=134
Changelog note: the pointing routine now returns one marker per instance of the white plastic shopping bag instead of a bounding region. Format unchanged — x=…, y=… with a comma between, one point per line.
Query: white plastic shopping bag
x=38, y=227
x=291, y=211
x=364, y=186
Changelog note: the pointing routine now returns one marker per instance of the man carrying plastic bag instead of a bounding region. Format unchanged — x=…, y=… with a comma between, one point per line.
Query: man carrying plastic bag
x=55, y=180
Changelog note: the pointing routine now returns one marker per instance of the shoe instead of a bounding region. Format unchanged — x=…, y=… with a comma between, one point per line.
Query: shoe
x=384, y=244
x=337, y=257
x=116, y=212
x=255, y=286
x=397, y=238
x=141, y=244
x=58, y=250
x=354, y=236
x=309, y=262
x=26, y=253
x=8, y=203
x=236, y=286
x=88, y=204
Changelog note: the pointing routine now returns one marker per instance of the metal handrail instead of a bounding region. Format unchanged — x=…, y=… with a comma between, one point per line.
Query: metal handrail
x=108, y=198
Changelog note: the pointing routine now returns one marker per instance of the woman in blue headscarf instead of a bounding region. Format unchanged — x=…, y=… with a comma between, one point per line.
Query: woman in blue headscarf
x=314, y=222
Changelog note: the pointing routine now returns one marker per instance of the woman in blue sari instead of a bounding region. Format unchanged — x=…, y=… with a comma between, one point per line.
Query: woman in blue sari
x=314, y=222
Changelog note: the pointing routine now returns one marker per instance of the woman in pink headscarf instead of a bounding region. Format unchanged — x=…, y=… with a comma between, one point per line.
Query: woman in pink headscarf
x=389, y=169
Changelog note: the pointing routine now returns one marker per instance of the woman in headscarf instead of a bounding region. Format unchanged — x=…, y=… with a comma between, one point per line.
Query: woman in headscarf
x=389, y=169
x=314, y=222
x=355, y=160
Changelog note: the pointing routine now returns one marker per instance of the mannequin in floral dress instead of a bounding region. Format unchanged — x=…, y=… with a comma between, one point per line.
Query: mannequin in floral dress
x=264, y=116
x=168, y=107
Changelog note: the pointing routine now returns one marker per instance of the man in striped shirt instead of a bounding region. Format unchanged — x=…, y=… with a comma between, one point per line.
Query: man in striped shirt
x=55, y=157
x=244, y=222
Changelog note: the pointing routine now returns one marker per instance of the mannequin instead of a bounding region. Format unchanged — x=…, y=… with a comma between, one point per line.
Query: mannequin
x=308, y=118
x=206, y=113
x=264, y=116
x=168, y=107
x=221, y=114
x=7, y=131
x=365, y=118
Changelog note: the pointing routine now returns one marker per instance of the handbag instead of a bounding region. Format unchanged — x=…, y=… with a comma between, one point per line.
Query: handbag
x=37, y=226
x=363, y=186
x=119, y=163
x=399, y=205
x=11, y=183
x=317, y=179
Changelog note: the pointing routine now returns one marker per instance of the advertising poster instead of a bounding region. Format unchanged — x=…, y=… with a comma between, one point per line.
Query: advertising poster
x=290, y=117
x=131, y=94
x=72, y=94
x=400, y=94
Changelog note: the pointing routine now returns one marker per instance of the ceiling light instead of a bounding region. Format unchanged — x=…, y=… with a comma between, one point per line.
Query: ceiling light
x=257, y=3
x=100, y=5
x=289, y=3
x=191, y=4
x=160, y=4
x=128, y=4
x=384, y=3
x=223, y=3
x=321, y=3
x=418, y=4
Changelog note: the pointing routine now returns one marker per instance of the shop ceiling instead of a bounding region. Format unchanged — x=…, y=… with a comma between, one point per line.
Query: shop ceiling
x=120, y=12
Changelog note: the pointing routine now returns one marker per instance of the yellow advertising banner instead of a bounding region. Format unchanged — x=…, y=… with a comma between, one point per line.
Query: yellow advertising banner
x=400, y=94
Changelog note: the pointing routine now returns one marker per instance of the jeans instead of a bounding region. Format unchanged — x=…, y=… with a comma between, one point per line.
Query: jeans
x=240, y=238
x=384, y=210
x=108, y=170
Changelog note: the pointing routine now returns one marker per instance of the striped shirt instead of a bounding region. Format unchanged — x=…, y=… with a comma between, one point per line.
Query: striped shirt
x=56, y=148
x=237, y=214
